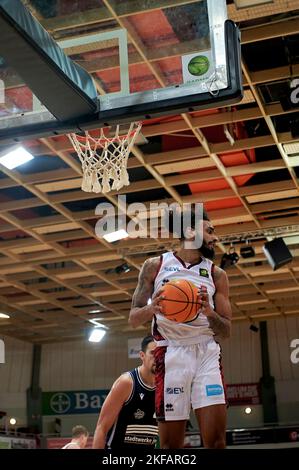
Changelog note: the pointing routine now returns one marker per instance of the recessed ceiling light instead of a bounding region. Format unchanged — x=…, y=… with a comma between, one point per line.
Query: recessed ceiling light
x=96, y=335
x=4, y=315
x=15, y=158
x=291, y=148
x=251, y=3
x=114, y=236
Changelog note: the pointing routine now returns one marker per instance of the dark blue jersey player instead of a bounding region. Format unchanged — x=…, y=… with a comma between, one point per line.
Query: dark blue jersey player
x=127, y=417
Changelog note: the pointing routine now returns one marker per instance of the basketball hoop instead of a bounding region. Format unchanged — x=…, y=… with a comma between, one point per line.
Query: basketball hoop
x=104, y=159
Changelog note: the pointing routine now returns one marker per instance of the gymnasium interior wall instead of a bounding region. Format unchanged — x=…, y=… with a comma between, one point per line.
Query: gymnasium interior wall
x=79, y=365
x=241, y=359
x=15, y=378
x=280, y=334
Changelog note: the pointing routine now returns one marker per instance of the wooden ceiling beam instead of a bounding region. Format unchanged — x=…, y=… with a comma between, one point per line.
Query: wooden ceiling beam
x=261, y=11
x=243, y=144
x=275, y=205
x=193, y=177
x=265, y=188
x=253, y=168
x=275, y=74
x=272, y=30
x=175, y=155
x=275, y=195
x=49, y=175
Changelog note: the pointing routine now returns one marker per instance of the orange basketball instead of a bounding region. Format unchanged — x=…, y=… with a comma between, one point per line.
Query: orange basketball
x=180, y=301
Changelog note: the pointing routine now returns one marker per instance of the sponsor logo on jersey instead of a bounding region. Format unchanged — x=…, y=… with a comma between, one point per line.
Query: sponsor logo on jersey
x=145, y=440
x=203, y=272
x=174, y=390
x=214, y=389
x=169, y=407
x=141, y=396
x=139, y=414
x=173, y=269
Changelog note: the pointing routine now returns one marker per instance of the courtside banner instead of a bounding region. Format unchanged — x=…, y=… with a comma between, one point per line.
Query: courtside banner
x=73, y=402
x=90, y=401
x=243, y=394
x=158, y=459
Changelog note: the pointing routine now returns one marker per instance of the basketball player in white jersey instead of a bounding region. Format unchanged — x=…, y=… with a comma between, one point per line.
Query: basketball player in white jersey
x=188, y=370
x=79, y=438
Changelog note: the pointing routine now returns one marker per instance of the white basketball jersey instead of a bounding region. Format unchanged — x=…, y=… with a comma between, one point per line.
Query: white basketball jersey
x=200, y=274
x=71, y=445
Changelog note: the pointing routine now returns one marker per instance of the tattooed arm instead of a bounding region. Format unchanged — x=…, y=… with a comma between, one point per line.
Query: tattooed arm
x=141, y=312
x=220, y=318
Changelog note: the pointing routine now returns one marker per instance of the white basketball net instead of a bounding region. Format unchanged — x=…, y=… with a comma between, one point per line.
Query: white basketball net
x=104, y=159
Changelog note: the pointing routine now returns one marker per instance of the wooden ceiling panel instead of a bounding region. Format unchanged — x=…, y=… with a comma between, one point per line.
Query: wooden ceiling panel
x=54, y=270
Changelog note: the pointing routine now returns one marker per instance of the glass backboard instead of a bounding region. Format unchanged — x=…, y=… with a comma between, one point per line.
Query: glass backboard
x=146, y=58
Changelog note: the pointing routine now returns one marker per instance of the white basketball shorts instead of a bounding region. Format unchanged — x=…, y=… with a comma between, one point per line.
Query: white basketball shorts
x=188, y=376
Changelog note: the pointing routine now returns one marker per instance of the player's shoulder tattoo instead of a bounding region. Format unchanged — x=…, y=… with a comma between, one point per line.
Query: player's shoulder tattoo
x=145, y=284
x=218, y=273
x=150, y=266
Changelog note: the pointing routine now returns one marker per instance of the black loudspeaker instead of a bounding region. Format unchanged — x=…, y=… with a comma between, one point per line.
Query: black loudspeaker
x=277, y=253
x=247, y=251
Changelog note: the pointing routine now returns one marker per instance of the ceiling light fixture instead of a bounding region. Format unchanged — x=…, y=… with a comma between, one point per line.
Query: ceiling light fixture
x=96, y=335
x=291, y=148
x=98, y=332
x=115, y=236
x=123, y=268
x=247, y=251
x=229, y=259
x=15, y=158
x=4, y=315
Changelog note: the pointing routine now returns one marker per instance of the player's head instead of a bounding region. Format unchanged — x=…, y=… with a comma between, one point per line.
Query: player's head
x=147, y=353
x=195, y=223
x=207, y=248
x=80, y=435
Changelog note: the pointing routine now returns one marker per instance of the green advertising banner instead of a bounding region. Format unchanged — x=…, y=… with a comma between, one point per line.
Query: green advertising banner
x=73, y=402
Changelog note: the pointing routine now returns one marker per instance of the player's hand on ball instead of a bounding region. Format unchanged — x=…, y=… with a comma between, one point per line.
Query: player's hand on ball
x=203, y=300
x=155, y=306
